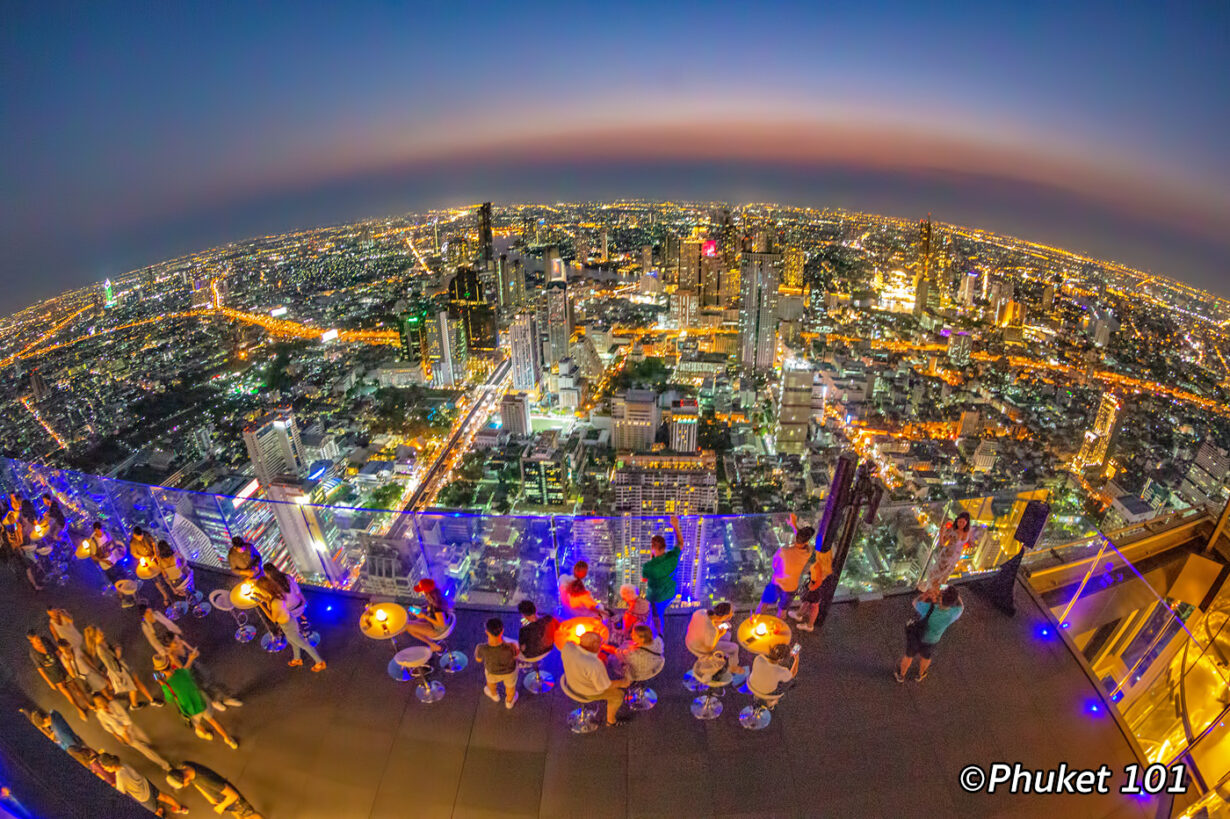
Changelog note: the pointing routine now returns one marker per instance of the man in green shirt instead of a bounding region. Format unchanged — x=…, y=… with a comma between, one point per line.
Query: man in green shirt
x=659, y=575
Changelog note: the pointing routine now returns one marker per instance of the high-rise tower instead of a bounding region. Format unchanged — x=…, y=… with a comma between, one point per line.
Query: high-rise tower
x=1098, y=439
x=759, y=275
x=525, y=345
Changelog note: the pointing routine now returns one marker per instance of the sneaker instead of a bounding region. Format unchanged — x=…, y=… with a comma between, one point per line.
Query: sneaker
x=203, y=734
x=794, y=615
x=319, y=667
x=232, y=702
x=805, y=627
x=922, y=676
x=295, y=663
x=899, y=676
x=491, y=695
x=217, y=705
x=510, y=703
x=157, y=703
x=232, y=743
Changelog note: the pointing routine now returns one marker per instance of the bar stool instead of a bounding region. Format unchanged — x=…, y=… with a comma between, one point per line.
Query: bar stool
x=221, y=600
x=689, y=677
x=127, y=589
x=414, y=663
x=190, y=599
x=708, y=705
x=640, y=696
x=450, y=661
x=583, y=720
x=536, y=680
x=757, y=716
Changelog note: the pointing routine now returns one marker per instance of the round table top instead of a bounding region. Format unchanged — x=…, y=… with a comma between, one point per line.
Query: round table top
x=38, y=532
x=570, y=630
x=221, y=600
x=85, y=548
x=394, y=622
x=412, y=656
x=776, y=632
x=147, y=570
x=243, y=595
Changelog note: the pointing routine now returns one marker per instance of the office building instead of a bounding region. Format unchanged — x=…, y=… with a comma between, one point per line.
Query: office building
x=960, y=346
x=546, y=471
x=515, y=414
x=970, y=425
x=684, y=308
x=525, y=346
x=985, y=455
x=794, y=411
x=634, y=420
x=685, y=422
x=1206, y=478
x=446, y=350
x=274, y=447
x=689, y=265
x=468, y=303
x=559, y=321
x=311, y=539
x=759, y=277
x=1098, y=439
x=793, y=260
x=553, y=266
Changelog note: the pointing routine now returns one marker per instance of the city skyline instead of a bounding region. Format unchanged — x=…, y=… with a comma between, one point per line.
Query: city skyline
x=1109, y=145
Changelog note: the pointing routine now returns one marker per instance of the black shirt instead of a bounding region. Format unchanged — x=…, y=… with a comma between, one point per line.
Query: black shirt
x=209, y=782
x=50, y=666
x=538, y=637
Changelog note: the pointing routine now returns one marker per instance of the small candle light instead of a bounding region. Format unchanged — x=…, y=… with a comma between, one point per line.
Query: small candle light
x=246, y=589
x=382, y=615
x=581, y=630
x=761, y=629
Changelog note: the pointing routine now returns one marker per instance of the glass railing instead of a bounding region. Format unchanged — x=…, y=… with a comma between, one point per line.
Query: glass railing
x=496, y=560
x=1156, y=638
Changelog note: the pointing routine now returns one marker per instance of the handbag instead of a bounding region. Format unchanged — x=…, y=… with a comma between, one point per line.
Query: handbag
x=916, y=627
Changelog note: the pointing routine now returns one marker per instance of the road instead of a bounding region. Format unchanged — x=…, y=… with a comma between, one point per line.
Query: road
x=455, y=446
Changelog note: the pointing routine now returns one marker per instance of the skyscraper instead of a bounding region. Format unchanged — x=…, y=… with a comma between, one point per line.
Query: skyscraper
x=446, y=349
x=759, y=274
x=486, y=255
x=684, y=308
x=410, y=330
x=466, y=302
x=274, y=446
x=960, y=345
x=515, y=413
x=553, y=266
x=634, y=420
x=792, y=267
x=685, y=418
x=689, y=265
x=794, y=411
x=559, y=322
x=525, y=347
x=1098, y=439
x=711, y=274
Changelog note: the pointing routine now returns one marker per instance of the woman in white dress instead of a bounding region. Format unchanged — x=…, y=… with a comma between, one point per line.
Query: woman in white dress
x=954, y=537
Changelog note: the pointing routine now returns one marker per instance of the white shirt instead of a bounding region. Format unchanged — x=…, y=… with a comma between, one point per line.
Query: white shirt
x=586, y=673
x=128, y=781
x=702, y=636
x=766, y=675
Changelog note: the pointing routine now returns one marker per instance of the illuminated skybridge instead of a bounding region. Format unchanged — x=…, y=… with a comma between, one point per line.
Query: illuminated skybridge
x=1134, y=678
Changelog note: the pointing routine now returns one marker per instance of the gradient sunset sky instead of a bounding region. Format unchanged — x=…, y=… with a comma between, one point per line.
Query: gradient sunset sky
x=136, y=132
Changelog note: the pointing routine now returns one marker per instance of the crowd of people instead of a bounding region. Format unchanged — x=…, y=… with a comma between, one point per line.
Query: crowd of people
x=97, y=680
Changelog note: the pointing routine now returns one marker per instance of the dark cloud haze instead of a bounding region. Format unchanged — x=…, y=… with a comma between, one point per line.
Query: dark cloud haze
x=136, y=132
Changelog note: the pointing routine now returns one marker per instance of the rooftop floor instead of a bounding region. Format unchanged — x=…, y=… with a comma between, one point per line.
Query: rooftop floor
x=848, y=740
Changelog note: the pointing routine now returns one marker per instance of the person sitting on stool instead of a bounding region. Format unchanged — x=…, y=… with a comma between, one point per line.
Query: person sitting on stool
x=586, y=675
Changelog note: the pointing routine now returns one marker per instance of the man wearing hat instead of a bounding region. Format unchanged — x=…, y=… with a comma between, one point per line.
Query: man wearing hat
x=217, y=791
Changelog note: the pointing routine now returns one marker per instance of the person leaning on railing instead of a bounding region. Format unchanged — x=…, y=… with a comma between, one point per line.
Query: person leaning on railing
x=659, y=575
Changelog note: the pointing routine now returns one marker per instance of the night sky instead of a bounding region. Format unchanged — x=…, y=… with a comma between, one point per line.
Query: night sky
x=132, y=133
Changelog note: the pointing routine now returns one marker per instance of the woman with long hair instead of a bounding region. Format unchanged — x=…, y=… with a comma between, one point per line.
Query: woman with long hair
x=430, y=623
x=119, y=676
x=284, y=603
x=954, y=537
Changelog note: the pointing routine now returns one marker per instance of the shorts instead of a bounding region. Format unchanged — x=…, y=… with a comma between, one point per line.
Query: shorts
x=509, y=680
x=775, y=595
x=917, y=648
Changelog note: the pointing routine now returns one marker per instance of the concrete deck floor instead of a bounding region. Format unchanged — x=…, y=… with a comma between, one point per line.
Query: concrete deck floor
x=847, y=741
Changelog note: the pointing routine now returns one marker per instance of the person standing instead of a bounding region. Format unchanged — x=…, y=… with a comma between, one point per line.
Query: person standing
x=80, y=669
x=50, y=669
x=161, y=633
x=218, y=792
x=809, y=603
x=119, y=676
x=933, y=617
x=788, y=565
x=16, y=535
x=54, y=727
x=954, y=537
x=108, y=556
x=180, y=688
x=499, y=659
x=537, y=634
x=659, y=575
x=279, y=604
x=129, y=781
x=116, y=722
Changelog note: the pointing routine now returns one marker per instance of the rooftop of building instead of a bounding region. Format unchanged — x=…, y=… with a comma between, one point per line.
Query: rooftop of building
x=847, y=740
